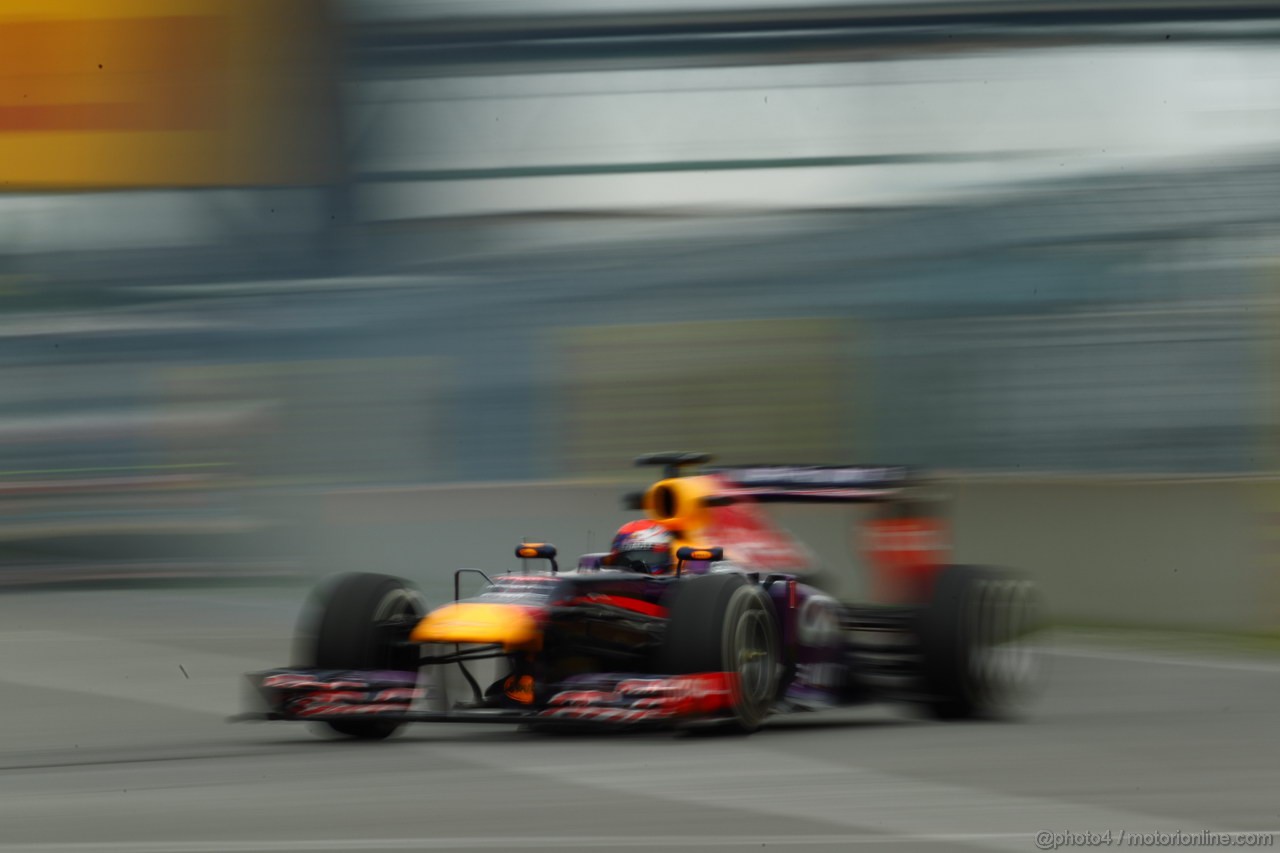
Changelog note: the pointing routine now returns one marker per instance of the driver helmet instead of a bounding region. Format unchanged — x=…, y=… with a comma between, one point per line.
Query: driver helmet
x=642, y=546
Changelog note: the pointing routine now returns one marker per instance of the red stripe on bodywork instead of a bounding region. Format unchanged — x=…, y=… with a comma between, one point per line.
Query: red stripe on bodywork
x=635, y=605
x=707, y=693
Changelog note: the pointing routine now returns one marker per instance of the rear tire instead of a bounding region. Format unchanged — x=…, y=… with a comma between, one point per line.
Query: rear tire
x=356, y=623
x=725, y=623
x=976, y=638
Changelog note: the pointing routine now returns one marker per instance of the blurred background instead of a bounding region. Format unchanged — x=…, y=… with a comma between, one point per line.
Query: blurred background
x=301, y=286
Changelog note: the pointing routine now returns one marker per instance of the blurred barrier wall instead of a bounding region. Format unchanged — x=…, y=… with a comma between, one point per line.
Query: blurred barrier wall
x=1147, y=553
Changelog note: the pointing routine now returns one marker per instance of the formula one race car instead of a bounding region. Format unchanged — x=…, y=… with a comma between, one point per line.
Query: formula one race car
x=699, y=614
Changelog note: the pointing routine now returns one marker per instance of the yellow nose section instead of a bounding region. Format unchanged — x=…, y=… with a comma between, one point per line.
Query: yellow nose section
x=469, y=622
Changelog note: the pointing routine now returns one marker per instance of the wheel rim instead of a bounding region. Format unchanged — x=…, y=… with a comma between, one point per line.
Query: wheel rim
x=755, y=661
x=1003, y=664
x=752, y=657
x=396, y=607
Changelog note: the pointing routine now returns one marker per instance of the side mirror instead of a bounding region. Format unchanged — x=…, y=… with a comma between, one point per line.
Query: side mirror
x=688, y=552
x=633, y=500
x=538, y=551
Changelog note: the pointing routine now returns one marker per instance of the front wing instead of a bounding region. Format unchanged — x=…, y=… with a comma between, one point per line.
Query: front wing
x=617, y=699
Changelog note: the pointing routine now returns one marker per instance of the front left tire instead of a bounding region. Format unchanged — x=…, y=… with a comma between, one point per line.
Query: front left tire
x=725, y=623
x=359, y=621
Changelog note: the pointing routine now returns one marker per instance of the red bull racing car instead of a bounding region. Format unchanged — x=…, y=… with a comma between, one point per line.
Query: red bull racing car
x=699, y=614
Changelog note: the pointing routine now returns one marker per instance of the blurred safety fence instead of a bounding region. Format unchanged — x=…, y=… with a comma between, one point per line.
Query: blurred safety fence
x=1148, y=388
x=379, y=420
x=1155, y=391
x=97, y=464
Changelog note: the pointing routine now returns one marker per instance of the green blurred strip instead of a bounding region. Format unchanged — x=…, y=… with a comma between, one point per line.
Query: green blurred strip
x=570, y=170
x=112, y=468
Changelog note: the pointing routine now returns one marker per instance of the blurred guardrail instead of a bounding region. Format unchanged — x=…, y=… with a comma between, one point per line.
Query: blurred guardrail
x=101, y=477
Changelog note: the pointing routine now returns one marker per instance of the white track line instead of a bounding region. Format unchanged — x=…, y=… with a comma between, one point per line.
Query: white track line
x=867, y=802
x=514, y=842
x=1170, y=660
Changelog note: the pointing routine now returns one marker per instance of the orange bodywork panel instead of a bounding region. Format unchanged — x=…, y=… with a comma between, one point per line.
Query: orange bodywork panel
x=513, y=626
x=904, y=555
x=742, y=529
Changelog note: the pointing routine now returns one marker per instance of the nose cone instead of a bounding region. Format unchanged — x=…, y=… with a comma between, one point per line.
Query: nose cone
x=511, y=625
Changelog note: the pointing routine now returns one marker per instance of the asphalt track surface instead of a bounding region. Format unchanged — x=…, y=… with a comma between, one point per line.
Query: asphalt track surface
x=114, y=739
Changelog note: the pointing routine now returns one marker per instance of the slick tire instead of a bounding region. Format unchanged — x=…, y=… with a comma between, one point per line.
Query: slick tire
x=976, y=638
x=356, y=622
x=725, y=623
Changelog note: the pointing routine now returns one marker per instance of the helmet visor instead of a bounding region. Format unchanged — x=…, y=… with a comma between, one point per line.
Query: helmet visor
x=648, y=558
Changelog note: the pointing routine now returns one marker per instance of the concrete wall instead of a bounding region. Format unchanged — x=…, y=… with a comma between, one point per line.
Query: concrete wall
x=1176, y=553
x=1189, y=554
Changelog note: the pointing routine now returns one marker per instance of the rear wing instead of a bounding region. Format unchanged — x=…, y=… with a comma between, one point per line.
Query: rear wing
x=905, y=541
x=814, y=483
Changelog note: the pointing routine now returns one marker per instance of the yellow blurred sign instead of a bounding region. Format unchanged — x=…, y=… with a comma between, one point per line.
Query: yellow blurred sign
x=747, y=390
x=101, y=94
